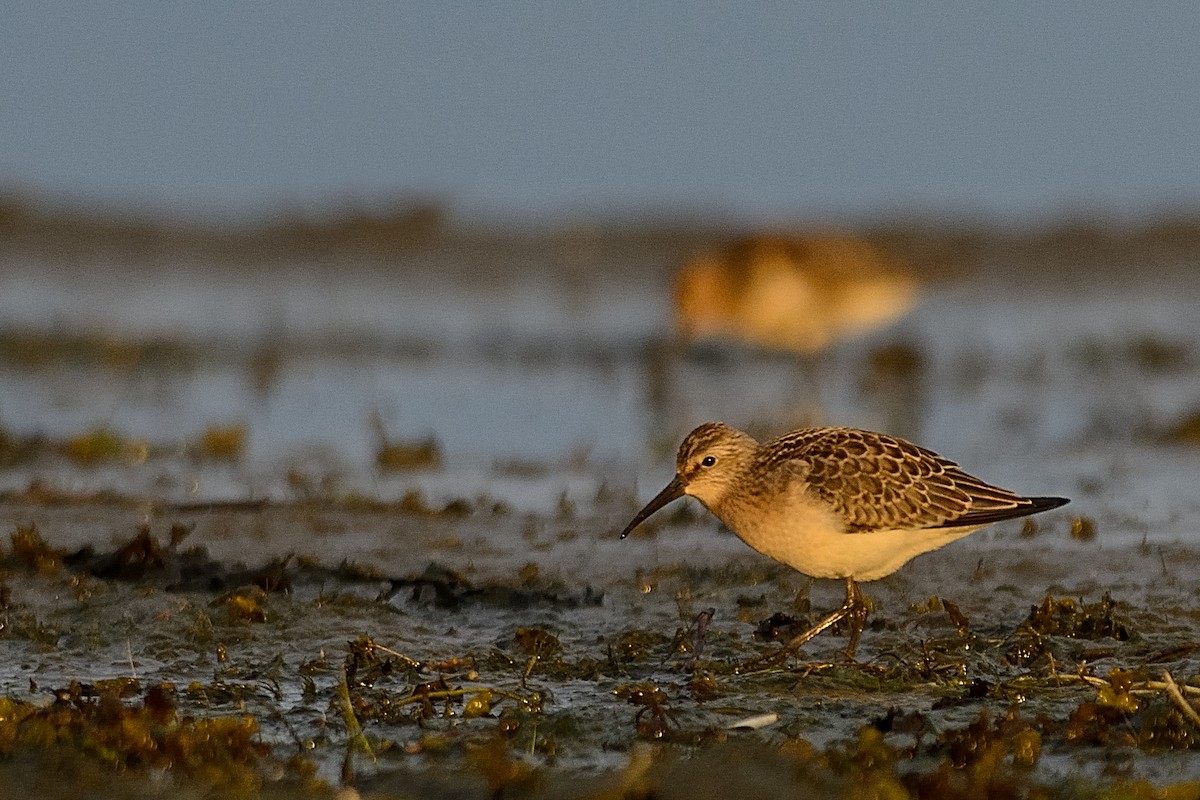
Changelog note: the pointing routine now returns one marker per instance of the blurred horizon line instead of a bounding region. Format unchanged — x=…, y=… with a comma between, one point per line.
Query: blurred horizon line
x=335, y=204
x=388, y=227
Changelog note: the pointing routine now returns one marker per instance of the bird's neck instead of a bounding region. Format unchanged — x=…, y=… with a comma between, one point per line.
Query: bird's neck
x=738, y=506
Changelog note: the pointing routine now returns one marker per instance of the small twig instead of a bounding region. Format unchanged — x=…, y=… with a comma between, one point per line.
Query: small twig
x=412, y=662
x=357, y=739
x=703, y=619
x=1142, y=687
x=443, y=694
x=129, y=652
x=681, y=636
x=1161, y=686
x=1173, y=653
x=1054, y=670
x=1179, y=700
x=533, y=660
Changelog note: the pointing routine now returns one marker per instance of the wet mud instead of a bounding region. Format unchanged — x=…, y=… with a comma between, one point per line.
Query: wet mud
x=376, y=554
x=278, y=636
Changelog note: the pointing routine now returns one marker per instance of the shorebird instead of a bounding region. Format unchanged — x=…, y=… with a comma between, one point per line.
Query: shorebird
x=835, y=503
x=797, y=292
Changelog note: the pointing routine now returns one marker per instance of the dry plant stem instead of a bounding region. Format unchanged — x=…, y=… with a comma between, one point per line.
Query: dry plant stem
x=353, y=729
x=1179, y=700
x=412, y=662
x=446, y=693
x=533, y=660
x=703, y=619
x=1143, y=687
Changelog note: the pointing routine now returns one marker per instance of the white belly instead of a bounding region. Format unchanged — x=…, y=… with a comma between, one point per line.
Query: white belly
x=811, y=540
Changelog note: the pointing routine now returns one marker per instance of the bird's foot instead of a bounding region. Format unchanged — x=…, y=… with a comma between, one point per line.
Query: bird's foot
x=780, y=655
x=774, y=658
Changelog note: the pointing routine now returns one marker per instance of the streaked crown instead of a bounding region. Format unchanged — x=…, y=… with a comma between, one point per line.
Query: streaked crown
x=712, y=459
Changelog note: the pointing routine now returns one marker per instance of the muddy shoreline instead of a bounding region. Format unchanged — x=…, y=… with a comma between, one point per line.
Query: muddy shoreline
x=332, y=505
x=277, y=597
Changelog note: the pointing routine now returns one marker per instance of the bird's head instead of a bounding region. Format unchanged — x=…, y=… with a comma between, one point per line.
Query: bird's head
x=709, y=464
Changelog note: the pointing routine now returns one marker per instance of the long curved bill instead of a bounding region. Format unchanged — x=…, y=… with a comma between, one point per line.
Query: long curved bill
x=674, y=491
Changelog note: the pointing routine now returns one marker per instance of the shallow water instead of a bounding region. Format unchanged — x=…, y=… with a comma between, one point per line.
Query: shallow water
x=556, y=403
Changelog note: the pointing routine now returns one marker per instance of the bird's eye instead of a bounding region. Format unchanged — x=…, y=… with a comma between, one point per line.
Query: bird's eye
x=708, y=461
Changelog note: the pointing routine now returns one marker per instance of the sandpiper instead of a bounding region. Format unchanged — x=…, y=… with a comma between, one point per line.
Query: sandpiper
x=835, y=503
x=797, y=292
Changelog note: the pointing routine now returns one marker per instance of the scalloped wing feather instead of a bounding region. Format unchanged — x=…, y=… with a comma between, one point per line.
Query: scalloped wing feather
x=881, y=482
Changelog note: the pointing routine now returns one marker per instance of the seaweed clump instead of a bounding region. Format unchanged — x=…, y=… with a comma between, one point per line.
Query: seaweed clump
x=654, y=708
x=426, y=690
x=29, y=548
x=95, y=723
x=1067, y=618
x=1119, y=716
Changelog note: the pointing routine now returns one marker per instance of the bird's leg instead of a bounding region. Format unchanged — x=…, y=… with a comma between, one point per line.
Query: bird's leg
x=855, y=608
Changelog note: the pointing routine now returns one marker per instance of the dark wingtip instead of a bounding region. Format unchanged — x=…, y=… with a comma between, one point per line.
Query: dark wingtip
x=1030, y=506
x=1046, y=503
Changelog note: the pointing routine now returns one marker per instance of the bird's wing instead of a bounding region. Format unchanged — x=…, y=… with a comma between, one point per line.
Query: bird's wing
x=880, y=482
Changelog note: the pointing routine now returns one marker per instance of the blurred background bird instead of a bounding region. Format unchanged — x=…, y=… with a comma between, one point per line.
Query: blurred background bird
x=798, y=292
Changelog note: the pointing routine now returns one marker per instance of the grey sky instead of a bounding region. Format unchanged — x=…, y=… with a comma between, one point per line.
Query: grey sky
x=762, y=110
